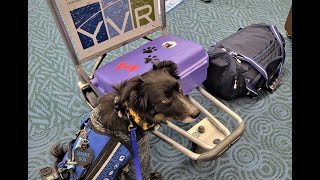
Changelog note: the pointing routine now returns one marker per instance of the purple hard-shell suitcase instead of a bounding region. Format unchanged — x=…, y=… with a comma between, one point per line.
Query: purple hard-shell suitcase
x=190, y=57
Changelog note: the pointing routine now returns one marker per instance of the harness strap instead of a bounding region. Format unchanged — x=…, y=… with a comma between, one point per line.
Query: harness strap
x=63, y=166
x=69, y=157
x=70, y=167
x=135, y=151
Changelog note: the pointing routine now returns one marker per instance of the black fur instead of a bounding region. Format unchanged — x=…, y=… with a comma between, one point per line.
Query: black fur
x=156, y=96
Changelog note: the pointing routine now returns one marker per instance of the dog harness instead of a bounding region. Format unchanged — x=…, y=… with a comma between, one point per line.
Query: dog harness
x=94, y=155
x=98, y=153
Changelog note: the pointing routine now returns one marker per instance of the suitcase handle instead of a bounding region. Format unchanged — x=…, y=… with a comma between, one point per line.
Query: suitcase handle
x=213, y=151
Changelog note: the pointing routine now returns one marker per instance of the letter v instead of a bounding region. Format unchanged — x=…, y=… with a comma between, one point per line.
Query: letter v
x=120, y=31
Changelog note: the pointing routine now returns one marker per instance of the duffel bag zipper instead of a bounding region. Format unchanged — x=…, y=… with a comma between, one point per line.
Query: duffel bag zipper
x=234, y=69
x=236, y=77
x=238, y=60
x=233, y=54
x=235, y=81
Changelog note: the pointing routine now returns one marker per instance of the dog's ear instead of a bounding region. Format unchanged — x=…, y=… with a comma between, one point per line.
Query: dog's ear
x=170, y=66
x=129, y=89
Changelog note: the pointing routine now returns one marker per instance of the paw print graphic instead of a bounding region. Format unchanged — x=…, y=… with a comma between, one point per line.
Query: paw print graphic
x=149, y=49
x=150, y=58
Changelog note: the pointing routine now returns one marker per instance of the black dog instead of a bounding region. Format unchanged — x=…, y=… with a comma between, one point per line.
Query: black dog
x=155, y=97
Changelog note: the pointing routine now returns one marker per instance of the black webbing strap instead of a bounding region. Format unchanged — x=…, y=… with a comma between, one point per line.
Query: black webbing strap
x=70, y=157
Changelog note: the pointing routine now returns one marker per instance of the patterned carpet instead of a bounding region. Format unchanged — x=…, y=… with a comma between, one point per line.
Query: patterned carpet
x=55, y=107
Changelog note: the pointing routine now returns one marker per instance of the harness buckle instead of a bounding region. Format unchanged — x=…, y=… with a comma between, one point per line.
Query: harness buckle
x=70, y=164
x=61, y=171
x=130, y=126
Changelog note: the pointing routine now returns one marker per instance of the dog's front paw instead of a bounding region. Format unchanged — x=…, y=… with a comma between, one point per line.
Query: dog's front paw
x=155, y=176
x=160, y=118
x=58, y=150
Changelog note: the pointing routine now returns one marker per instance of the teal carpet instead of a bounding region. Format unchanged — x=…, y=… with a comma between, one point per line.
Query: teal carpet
x=55, y=107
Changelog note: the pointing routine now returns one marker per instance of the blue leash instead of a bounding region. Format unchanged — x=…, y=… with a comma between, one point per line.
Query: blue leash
x=135, y=151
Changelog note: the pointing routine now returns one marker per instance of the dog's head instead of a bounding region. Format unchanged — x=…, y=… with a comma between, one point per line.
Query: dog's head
x=156, y=96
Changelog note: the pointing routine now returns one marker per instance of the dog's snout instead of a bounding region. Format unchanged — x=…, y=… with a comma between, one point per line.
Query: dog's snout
x=191, y=110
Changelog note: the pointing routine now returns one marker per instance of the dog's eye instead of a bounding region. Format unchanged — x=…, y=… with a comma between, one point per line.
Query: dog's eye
x=167, y=94
x=167, y=98
x=166, y=101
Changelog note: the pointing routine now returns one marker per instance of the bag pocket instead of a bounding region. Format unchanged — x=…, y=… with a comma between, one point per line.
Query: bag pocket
x=223, y=76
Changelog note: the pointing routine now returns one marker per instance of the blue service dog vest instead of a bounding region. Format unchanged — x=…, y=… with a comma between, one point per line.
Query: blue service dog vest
x=110, y=154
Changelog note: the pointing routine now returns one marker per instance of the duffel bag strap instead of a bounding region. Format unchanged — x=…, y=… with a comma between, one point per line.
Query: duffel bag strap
x=252, y=90
x=256, y=65
x=276, y=33
x=274, y=84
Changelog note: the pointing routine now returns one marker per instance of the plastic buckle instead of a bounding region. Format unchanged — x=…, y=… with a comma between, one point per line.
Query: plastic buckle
x=49, y=173
x=130, y=126
x=274, y=85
